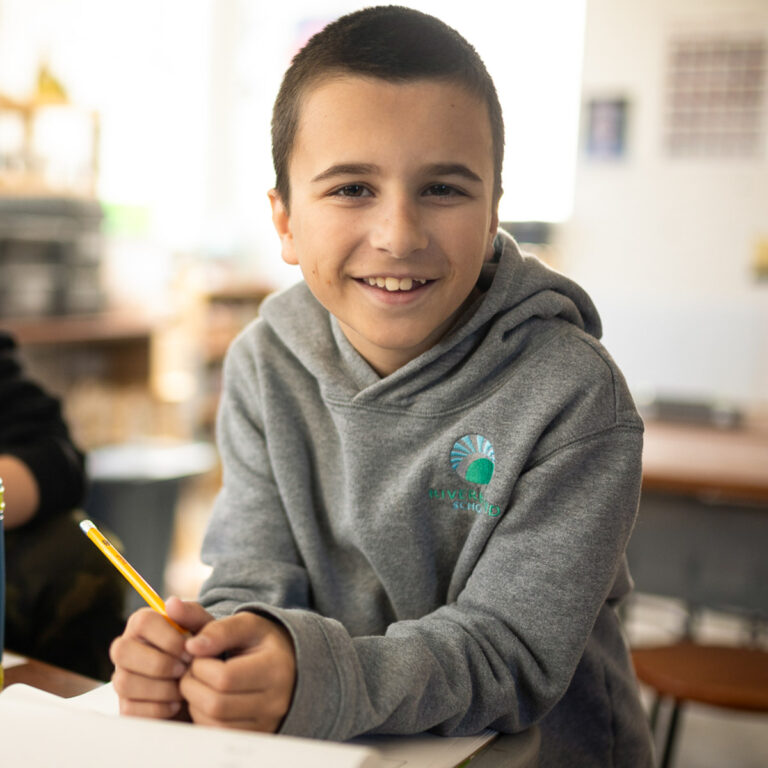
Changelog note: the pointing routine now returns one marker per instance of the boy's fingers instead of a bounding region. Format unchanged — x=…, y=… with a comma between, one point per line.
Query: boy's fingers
x=135, y=655
x=159, y=710
x=150, y=627
x=188, y=614
x=201, y=718
x=240, y=674
x=135, y=687
x=233, y=633
x=261, y=711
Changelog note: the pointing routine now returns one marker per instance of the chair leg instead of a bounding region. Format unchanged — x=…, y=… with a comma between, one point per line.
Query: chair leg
x=666, y=759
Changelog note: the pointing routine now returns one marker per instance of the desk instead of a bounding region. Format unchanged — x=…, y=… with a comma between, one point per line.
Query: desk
x=702, y=528
x=49, y=678
x=702, y=460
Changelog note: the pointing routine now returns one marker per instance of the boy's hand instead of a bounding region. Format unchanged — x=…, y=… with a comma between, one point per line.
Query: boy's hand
x=252, y=687
x=150, y=659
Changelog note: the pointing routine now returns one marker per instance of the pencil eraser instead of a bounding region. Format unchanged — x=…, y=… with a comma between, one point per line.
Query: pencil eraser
x=86, y=525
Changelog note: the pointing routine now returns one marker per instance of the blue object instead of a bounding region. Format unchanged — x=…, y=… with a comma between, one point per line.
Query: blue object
x=2, y=581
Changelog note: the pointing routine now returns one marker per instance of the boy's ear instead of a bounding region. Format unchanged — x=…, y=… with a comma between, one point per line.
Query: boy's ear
x=492, y=234
x=282, y=222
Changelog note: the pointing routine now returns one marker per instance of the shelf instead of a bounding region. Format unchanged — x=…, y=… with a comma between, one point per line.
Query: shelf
x=28, y=170
x=239, y=292
x=229, y=308
x=78, y=329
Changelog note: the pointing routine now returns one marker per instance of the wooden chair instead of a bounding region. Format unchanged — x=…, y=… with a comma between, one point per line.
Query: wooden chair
x=707, y=555
x=732, y=677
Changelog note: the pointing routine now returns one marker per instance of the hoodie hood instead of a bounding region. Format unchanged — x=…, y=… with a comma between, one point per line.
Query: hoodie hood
x=517, y=294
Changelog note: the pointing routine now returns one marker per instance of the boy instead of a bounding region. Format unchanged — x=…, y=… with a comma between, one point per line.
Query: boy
x=431, y=466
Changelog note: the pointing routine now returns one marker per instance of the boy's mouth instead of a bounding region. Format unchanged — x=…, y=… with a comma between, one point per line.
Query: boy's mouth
x=393, y=284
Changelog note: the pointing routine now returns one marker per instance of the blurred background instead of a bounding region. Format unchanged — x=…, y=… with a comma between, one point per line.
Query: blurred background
x=135, y=234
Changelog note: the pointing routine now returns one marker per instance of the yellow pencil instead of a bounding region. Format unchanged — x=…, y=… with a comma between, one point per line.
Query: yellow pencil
x=129, y=572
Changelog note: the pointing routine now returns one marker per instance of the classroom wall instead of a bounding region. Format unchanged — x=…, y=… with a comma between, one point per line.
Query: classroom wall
x=666, y=245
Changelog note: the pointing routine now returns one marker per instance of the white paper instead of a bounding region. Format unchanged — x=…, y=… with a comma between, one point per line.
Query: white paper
x=26, y=711
x=40, y=730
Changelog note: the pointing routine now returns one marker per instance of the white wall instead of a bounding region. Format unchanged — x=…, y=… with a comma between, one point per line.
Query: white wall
x=665, y=245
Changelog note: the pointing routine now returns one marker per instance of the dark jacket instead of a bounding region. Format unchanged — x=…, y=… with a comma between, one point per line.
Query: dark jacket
x=33, y=430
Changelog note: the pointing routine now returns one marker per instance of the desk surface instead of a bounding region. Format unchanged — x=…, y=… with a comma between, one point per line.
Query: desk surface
x=49, y=678
x=728, y=463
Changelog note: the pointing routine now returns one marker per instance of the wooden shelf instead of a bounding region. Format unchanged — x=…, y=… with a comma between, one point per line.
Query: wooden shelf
x=78, y=329
x=228, y=307
x=34, y=175
x=111, y=348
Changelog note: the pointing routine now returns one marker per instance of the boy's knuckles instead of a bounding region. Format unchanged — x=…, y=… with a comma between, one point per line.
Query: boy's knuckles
x=116, y=649
x=160, y=665
x=126, y=652
x=140, y=621
x=120, y=681
x=213, y=707
x=223, y=678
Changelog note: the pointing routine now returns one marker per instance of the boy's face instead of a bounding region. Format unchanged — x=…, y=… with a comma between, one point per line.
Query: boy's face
x=391, y=209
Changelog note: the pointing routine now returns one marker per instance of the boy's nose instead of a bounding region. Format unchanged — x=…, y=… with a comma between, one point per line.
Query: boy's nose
x=399, y=230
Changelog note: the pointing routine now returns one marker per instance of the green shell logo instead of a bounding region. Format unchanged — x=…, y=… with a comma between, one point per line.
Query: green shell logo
x=473, y=459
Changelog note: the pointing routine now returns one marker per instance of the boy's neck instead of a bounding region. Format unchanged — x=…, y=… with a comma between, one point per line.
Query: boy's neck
x=386, y=361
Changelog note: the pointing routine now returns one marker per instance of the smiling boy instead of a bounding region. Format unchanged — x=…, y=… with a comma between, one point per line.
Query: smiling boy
x=431, y=465
x=414, y=176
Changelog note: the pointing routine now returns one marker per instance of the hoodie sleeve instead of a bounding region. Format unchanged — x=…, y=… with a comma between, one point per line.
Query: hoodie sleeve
x=33, y=430
x=248, y=541
x=504, y=653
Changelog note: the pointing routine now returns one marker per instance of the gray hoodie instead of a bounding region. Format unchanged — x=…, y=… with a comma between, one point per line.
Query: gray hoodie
x=445, y=544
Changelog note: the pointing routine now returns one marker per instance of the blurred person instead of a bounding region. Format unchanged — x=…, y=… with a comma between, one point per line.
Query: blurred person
x=64, y=601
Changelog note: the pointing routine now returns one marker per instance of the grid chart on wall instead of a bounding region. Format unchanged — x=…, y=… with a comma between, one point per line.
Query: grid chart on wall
x=716, y=96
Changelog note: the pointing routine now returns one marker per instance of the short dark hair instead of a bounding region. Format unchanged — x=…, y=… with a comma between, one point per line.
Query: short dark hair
x=395, y=44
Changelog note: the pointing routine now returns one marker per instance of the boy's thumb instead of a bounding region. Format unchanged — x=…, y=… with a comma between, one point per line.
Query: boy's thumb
x=232, y=633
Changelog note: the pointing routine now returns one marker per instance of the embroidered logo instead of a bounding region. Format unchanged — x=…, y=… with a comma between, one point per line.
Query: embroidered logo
x=472, y=457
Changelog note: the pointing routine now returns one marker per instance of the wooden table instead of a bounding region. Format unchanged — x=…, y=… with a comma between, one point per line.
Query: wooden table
x=49, y=678
x=702, y=528
x=693, y=460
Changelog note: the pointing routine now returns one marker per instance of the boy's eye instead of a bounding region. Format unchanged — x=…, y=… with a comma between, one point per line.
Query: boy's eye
x=351, y=190
x=441, y=190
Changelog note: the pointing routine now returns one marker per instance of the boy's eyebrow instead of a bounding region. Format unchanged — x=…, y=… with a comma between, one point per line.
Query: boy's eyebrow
x=364, y=169
x=451, y=169
x=347, y=169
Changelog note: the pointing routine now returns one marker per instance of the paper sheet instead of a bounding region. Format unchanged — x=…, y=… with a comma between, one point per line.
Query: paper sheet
x=26, y=711
x=39, y=729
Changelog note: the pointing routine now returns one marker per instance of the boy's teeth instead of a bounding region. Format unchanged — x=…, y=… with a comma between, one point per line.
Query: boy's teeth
x=394, y=283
